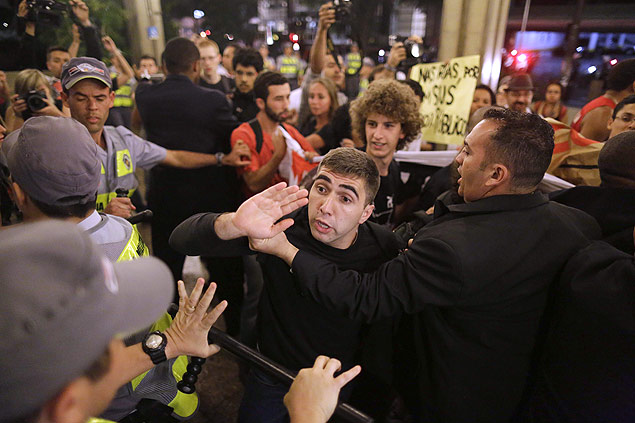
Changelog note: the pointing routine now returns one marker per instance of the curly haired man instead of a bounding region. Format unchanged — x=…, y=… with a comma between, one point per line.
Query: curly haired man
x=386, y=118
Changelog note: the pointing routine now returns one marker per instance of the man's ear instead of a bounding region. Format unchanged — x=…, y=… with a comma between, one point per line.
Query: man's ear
x=18, y=196
x=260, y=103
x=609, y=123
x=111, y=98
x=68, y=405
x=65, y=99
x=368, y=211
x=498, y=174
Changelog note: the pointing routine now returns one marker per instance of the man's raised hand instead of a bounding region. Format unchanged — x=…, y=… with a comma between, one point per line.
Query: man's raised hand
x=258, y=216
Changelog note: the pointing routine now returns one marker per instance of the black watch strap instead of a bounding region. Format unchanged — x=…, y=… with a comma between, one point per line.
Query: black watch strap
x=156, y=353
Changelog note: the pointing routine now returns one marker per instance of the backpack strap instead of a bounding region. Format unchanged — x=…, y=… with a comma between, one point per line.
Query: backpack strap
x=255, y=126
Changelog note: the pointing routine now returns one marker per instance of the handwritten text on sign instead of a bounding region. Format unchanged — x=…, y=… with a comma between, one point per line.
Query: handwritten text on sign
x=448, y=89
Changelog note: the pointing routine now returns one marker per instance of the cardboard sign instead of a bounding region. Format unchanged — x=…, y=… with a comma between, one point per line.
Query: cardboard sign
x=448, y=89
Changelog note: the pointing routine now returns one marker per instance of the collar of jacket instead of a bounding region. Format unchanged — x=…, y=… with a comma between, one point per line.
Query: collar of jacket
x=177, y=77
x=492, y=204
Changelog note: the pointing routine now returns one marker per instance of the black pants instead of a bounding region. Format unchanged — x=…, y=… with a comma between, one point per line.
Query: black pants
x=227, y=272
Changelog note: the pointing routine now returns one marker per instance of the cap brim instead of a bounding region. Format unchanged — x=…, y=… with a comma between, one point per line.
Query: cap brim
x=147, y=289
x=72, y=82
x=9, y=141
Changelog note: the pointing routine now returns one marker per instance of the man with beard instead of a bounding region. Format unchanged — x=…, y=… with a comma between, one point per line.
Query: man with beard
x=265, y=135
x=520, y=92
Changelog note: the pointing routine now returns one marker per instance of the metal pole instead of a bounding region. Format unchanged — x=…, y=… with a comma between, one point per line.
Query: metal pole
x=523, y=26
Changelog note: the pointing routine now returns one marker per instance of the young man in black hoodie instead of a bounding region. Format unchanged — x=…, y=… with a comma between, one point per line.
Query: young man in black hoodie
x=293, y=329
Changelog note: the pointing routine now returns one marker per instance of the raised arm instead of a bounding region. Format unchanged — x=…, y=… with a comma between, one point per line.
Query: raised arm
x=259, y=216
x=428, y=273
x=239, y=156
x=318, y=50
x=187, y=335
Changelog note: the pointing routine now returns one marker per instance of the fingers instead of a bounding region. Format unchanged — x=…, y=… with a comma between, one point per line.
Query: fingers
x=212, y=349
x=333, y=365
x=213, y=315
x=294, y=205
x=203, y=305
x=281, y=226
x=347, y=376
x=320, y=362
x=196, y=293
x=182, y=293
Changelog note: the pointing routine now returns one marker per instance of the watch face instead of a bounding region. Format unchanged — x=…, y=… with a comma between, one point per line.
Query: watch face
x=154, y=341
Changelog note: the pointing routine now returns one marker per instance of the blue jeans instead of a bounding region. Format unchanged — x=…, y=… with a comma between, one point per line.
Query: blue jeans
x=263, y=400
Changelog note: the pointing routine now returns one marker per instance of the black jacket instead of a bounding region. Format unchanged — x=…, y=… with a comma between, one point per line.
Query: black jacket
x=293, y=329
x=180, y=115
x=475, y=281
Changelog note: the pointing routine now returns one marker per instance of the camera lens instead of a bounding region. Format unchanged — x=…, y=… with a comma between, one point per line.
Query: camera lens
x=36, y=102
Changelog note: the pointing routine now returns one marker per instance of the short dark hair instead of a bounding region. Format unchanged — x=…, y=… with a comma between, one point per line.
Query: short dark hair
x=265, y=80
x=248, y=57
x=147, y=57
x=628, y=100
x=54, y=48
x=71, y=210
x=616, y=161
x=416, y=87
x=523, y=142
x=492, y=96
x=179, y=54
x=621, y=76
x=351, y=162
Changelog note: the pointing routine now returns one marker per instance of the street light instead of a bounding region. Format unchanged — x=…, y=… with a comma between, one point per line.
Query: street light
x=198, y=14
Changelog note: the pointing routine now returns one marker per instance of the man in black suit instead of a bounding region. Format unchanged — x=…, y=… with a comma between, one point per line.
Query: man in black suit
x=475, y=280
x=178, y=112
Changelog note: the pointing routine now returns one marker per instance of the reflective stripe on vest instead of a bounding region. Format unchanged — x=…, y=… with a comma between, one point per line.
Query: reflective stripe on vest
x=135, y=247
x=98, y=420
x=290, y=66
x=354, y=62
x=122, y=176
x=184, y=405
x=123, y=96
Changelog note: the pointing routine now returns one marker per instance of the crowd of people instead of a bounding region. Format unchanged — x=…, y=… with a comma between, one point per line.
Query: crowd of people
x=467, y=293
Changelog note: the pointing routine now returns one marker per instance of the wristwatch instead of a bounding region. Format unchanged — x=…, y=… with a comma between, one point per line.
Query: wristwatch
x=154, y=345
x=219, y=158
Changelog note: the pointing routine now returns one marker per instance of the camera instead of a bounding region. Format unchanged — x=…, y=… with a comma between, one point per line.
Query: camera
x=415, y=52
x=47, y=12
x=342, y=9
x=35, y=101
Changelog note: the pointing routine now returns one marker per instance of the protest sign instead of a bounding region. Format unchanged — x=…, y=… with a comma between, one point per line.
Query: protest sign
x=448, y=89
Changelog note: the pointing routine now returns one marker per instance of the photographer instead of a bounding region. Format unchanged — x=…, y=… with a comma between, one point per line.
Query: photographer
x=32, y=51
x=33, y=97
x=321, y=63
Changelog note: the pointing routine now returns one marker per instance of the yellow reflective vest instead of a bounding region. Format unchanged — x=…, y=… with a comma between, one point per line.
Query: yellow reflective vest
x=353, y=63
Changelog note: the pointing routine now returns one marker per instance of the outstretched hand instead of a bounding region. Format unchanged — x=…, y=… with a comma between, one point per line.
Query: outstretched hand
x=257, y=217
x=313, y=395
x=187, y=335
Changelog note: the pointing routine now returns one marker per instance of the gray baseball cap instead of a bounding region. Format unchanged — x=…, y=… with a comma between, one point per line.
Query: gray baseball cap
x=79, y=68
x=54, y=160
x=62, y=303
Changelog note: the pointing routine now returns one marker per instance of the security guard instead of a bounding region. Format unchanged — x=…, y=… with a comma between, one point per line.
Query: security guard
x=289, y=65
x=55, y=170
x=88, y=94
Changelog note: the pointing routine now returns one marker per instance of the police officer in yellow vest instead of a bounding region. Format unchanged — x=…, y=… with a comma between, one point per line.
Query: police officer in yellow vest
x=55, y=169
x=289, y=65
x=87, y=92
x=61, y=359
x=121, y=112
